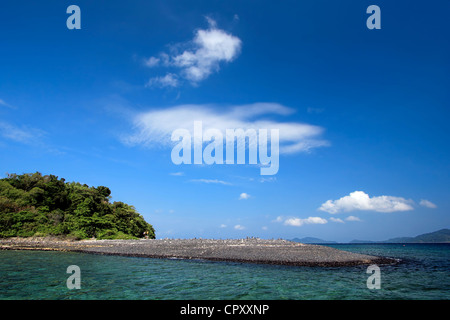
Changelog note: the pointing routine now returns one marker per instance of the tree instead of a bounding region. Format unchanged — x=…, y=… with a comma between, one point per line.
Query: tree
x=33, y=204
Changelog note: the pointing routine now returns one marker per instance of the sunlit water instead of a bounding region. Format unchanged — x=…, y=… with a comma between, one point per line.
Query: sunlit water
x=423, y=273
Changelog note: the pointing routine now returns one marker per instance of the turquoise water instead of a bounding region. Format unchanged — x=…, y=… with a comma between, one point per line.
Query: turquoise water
x=423, y=273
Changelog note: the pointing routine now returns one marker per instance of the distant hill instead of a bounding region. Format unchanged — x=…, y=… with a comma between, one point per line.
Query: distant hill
x=440, y=236
x=362, y=241
x=312, y=240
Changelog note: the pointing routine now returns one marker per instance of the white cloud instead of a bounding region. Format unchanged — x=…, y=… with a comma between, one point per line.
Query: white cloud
x=278, y=219
x=428, y=204
x=239, y=227
x=211, y=22
x=270, y=179
x=154, y=128
x=352, y=218
x=298, y=222
x=169, y=80
x=152, y=62
x=244, y=196
x=223, y=225
x=4, y=104
x=21, y=134
x=360, y=200
x=31, y=137
x=333, y=219
x=203, y=55
x=177, y=174
x=213, y=181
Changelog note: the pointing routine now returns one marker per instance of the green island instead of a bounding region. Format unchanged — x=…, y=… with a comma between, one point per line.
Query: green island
x=43, y=212
x=36, y=205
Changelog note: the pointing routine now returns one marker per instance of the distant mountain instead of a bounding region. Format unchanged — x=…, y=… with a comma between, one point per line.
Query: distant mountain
x=440, y=236
x=312, y=240
x=362, y=241
x=399, y=240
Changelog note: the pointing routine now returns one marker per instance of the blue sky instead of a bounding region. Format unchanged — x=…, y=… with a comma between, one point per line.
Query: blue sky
x=363, y=114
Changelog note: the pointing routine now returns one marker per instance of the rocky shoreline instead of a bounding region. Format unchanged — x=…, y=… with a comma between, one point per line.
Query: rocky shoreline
x=278, y=252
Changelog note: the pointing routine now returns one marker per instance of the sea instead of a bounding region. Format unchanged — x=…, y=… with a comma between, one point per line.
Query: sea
x=422, y=273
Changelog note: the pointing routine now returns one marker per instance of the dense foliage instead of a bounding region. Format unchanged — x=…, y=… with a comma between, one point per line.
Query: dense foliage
x=37, y=205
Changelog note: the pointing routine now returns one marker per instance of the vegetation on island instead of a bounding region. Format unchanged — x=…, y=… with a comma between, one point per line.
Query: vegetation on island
x=43, y=205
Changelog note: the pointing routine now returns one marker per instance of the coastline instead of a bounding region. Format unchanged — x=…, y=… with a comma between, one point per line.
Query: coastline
x=275, y=252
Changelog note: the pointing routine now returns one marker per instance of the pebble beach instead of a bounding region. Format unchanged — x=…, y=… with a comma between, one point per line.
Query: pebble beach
x=250, y=250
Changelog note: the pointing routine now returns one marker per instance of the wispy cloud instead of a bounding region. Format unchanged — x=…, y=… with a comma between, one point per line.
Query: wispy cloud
x=360, y=200
x=21, y=134
x=352, y=218
x=169, y=80
x=428, y=204
x=200, y=58
x=211, y=181
x=152, y=62
x=177, y=174
x=29, y=136
x=270, y=179
x=239, y=227
x=154, y=128
x=4, y=104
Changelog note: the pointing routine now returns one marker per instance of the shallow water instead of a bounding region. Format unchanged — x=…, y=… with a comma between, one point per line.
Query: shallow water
x=423, y=273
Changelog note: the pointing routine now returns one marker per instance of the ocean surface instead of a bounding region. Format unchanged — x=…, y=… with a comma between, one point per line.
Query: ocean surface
x=422, y=273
